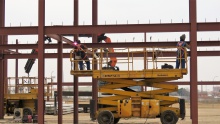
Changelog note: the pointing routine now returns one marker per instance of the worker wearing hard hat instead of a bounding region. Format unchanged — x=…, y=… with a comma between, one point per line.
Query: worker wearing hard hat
x=80, y=54
x=181, y=49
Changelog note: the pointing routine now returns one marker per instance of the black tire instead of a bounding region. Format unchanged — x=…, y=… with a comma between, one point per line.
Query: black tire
x=116, y=120
x=27, y=111
x=168, y=117
x=105, y=117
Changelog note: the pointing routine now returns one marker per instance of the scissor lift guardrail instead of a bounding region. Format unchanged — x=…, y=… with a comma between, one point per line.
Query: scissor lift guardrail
x=147, y=59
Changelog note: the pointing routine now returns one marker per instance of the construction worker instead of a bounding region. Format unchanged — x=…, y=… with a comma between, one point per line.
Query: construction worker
x=113, y=60
x=181, y=49
x=80, y=54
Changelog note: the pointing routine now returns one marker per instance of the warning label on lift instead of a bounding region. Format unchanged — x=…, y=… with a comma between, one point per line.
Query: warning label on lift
x=111, y=75
x=163, y=75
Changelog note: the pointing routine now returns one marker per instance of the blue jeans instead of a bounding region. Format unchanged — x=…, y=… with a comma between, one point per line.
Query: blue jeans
x=87, y=64
x=180, y=61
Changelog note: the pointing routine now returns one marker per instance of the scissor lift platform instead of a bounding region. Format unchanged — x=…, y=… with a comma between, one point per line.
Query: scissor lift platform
x=143, y=74
x=124, y=102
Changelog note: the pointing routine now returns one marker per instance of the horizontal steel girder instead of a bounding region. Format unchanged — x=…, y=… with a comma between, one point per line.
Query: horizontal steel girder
x=112, y=45
x=123, y=28
x=67, y=55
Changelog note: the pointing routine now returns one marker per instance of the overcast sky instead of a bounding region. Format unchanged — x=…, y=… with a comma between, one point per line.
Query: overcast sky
x=60, y=12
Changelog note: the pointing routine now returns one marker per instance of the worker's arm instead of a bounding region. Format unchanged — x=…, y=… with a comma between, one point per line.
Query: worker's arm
x=113, y=60
x=187, y=46
x=85, y=48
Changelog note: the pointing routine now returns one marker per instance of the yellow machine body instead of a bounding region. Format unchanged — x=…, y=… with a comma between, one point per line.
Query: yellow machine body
x=124, y=108
x=150, y=108
x=26, y=96
x=135, y=107
x=28, y=100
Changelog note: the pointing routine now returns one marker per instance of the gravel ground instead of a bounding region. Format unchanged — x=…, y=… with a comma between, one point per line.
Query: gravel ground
x=208, y=114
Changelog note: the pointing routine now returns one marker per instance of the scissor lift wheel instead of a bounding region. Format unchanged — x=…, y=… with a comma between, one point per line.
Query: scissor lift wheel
x=105, y=117
x=27, y=111
x=116, y=120
x=168, y=117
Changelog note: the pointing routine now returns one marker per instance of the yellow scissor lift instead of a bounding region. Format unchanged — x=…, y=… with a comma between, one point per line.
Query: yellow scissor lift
x=138, y=67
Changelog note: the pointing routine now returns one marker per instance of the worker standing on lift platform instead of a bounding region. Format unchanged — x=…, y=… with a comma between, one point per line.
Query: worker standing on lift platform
x=113, y=60
x=80, y=54
x=181, y=48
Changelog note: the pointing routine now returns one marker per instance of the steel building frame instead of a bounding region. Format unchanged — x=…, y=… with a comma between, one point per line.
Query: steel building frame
x=193, y=27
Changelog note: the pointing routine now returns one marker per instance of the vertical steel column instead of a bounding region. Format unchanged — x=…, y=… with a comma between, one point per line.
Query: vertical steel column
x=193, y=62
x=1, y=83
x=94, y=40
x=41, y=62
x=145, y=37
x=16, y=71
x=2, y=24
x=5, y=41
x=76, y=98
x=76, y=78
x=60, y=80
x=94, y=12
x=5, y=64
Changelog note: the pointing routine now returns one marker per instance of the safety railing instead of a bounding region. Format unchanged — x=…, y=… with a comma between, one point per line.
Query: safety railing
x=133, y=59
x=25, y=84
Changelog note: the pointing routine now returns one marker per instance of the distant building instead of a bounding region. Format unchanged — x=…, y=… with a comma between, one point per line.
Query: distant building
x=203, y=94
x=216, y=89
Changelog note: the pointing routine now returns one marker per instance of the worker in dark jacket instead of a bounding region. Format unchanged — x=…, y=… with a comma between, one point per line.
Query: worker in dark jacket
x=80, y=54
x=181, y=49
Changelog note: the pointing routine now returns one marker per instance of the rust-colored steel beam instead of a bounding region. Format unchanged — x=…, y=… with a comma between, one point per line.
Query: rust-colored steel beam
x=94, y=40
x=60, y=38
x=41, y=62
x=67, y=55
x=208, y=26
x=95, y=13
x=76, y=12
x=208, y=53
x=129, y=28
x=122, y=28
x=19, y=30
x=76, y=79
x=5, y=68
x=2, y=24
x=16, y=70
x=112, y=45
x=76, y=98
x=1, y=83
x=193, y=62
x=60, y=80
x=1, y=86
x=5, y=41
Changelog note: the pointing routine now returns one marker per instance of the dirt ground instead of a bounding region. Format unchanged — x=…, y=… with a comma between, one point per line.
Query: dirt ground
x=208, y=114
